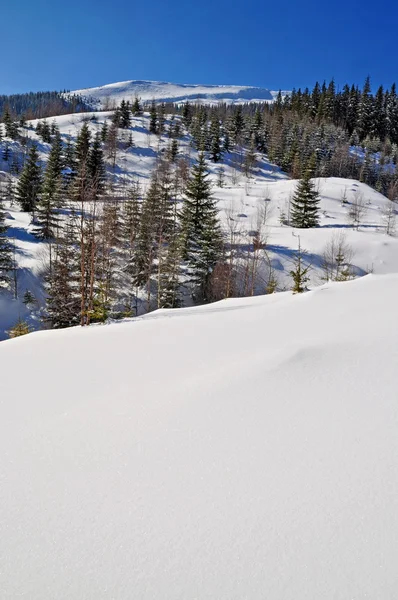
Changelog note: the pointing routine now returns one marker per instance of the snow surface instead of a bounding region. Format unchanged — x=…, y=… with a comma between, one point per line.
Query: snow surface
x=241, y=450
x=174, y=92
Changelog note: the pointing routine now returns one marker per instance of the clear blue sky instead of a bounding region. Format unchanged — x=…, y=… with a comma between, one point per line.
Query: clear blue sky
x=275, y=44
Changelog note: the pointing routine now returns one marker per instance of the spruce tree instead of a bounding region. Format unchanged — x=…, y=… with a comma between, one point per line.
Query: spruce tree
x=215, y=143
x=96, y=167
x=136, y=108
x=46, y=218
x=153, y=118
x=29, y=184
x=63, y=302
x=6, y=262
x=125, y=115
x=305, y=202
x=201, y=234
x=299, y=273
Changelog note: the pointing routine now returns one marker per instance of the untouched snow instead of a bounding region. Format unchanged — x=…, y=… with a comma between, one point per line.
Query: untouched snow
x=242, y=450
x=174, y=92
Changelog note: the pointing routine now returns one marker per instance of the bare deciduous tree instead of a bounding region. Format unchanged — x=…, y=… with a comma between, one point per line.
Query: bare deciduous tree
x=357, y=209
x=336, y=259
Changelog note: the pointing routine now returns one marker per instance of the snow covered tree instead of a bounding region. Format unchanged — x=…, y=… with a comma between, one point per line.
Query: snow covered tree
x=305, y=201
x=201, y=234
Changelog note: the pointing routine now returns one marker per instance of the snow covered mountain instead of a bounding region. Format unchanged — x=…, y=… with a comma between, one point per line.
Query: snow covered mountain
x=107, y=96
x=244, y=449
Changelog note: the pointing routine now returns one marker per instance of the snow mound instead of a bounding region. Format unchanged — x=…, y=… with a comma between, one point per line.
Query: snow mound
x=114, y=93
x=245, y=449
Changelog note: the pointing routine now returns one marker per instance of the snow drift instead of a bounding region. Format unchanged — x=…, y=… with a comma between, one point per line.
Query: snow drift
x=246, y=449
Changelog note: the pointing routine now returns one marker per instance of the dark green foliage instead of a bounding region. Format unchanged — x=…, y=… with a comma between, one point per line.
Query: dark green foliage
x=299, y=273
x=6, y=262
x=96, y=167
x=30, y=182
x=201, y=235
x=215, y=144
x=46, y=216
x=38, y=105
x=125, y=115
x=63, y=302
x=136, y=108
x=153, y=118
x=305, y=202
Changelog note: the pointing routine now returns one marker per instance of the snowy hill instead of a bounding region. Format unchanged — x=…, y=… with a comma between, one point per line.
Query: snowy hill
x=246, y=449
x=241, y=203
x=107, y=96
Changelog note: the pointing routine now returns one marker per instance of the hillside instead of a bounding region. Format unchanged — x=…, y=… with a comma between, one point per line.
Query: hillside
x=245, y=449
x=107, y=96
x=242, y=203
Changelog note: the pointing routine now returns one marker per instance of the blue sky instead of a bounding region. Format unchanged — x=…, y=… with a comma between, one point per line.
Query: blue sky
x=276, y=44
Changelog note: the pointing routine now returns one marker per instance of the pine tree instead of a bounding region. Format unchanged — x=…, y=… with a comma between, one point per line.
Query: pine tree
x=8, y=124
x=83, y=144
x=6, y=262
x=63, y=302
x=96, y=167
x=201, y=234
x=305, y=202
x=215, y=144
x=299, y=273
x=104, y=131
x=46, y=217
x=125, y=115
x=20, y=328
x=137, y=110
x=365, y=111
x=161, y=118
x=29, y=184
x=153, y=118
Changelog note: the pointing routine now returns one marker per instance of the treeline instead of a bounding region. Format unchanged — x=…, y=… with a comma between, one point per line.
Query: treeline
x=353, y=133
x=38, y=105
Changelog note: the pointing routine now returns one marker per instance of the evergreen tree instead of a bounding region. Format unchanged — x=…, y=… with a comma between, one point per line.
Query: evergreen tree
x=136, y=109
x=63, y=302
x=46, y=218
x=29, y=184
x=125, y=115
x=6, y=262
x=365, y=111
x=104, y=131
x=201, y=235
x=96, y=167
x=299, y=273
x=215, y=144
x=83, y=144
x=153, y=118
x=305, y=202
x=161, y=118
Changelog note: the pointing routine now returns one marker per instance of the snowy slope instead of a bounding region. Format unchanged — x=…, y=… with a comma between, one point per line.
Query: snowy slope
x=246, y=449
x=239, y=199
x=112, y=94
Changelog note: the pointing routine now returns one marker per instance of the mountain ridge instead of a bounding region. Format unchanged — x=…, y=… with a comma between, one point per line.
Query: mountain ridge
x=148, y=90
